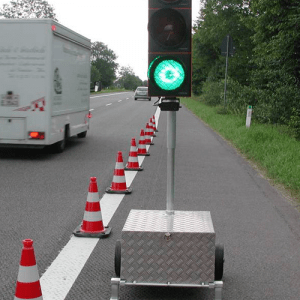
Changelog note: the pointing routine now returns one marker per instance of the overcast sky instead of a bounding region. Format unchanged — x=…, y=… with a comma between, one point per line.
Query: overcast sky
x=120, y=24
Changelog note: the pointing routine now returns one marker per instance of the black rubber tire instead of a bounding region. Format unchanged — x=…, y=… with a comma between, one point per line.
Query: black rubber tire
x=118, y=258
x=82, y=135
x=60, y=146
x=219, y=261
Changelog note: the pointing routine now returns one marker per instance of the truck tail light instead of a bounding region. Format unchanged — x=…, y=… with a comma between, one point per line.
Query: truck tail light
x=36, y=135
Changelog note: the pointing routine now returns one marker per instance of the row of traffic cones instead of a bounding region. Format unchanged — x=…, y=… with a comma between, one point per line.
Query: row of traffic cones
x=28, y=282
x=118, y=185
x=92, y=225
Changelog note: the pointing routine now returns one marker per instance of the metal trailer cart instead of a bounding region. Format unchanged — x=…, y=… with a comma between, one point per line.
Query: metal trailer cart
x=168, y=248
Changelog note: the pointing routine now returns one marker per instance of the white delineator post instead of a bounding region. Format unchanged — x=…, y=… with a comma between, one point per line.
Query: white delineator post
x=248, y=118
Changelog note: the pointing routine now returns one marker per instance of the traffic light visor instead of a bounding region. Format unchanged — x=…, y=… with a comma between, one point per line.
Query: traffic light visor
x=168, y=74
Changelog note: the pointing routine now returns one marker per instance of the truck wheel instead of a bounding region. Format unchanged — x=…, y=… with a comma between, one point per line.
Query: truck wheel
x=60, y=146
x=219, y=261
x=118, y=258
x=82, y=134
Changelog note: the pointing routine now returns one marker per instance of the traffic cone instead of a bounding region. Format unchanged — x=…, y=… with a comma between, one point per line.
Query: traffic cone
x=28, y=282
x=118, y=185
x=151, y=128
x=148, y=136
x=92, y=224
x=133, y=162
x=142, y=151
x=154, y=124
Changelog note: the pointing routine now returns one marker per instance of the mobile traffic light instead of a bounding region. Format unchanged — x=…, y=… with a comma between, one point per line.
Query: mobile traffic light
x=169, y=48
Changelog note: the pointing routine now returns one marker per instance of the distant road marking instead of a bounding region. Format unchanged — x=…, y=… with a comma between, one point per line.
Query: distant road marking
x=109, y=95
x=108, y=104
x=120, y=100
x=59, y=278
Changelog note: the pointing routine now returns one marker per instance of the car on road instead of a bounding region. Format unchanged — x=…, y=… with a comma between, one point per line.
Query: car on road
x=141, y=93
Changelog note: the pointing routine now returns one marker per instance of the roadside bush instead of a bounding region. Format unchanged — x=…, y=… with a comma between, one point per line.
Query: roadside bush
x=294, y=122
x=239, y=97
x=213, y=93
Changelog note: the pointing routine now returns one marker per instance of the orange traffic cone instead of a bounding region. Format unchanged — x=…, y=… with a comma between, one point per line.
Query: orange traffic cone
x=92, y=224
x=28, y=282
x=148, y=135
x=154, y=124
x=142, y=146
x=118, y=185
x=133, y=162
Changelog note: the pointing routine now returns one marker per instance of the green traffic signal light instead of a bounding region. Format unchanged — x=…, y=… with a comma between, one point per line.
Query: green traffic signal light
x=170, y=48
x=167, y=73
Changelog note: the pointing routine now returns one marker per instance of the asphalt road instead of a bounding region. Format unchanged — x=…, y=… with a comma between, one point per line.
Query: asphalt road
x=43, y=197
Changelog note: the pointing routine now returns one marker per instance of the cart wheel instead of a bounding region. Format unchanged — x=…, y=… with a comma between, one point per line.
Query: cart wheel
x=219, y=261
x=118, y=258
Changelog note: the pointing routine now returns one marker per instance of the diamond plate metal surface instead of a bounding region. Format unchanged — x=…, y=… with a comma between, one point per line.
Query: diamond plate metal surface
x=187, y=256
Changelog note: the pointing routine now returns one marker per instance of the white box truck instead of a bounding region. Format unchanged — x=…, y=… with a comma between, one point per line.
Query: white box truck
x=44, y=83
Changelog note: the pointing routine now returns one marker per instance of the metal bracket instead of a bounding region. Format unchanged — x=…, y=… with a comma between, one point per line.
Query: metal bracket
x=169, y=104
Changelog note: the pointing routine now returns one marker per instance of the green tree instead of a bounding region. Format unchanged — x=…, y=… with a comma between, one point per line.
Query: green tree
x=104, y=59
x=95, y=74
x=124, y=71
x=215, y=21
x=277, y=57
x=128, y=79
x=24, y=9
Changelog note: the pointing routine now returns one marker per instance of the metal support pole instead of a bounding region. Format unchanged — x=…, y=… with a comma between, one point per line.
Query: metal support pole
x=171, y=143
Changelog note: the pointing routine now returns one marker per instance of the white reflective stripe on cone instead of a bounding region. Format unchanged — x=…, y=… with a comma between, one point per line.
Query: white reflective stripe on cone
x=119, y=165
x=92, y=216
x=28, y=274
x=93, y=197
x=132, y=158
x=118, y=179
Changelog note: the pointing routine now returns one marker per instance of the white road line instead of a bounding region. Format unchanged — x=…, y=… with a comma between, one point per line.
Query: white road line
x=120, y=101
x=58, y=279
x=61, y=275
x=106, y=95
x=108, y=104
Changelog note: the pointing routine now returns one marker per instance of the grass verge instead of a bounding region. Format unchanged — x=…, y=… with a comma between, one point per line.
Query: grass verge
x=269, y=147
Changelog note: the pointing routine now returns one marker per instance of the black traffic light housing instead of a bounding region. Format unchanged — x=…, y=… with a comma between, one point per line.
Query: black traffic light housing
x=169, y=51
